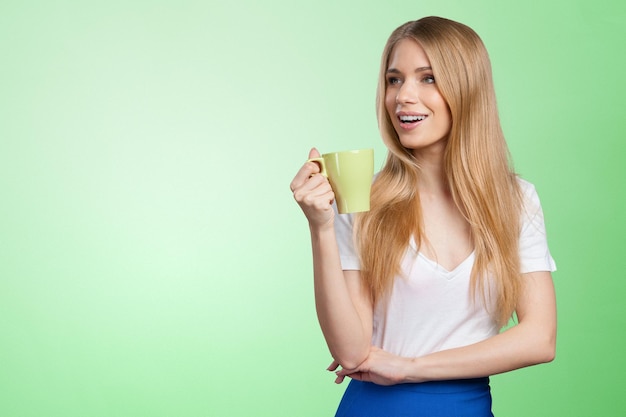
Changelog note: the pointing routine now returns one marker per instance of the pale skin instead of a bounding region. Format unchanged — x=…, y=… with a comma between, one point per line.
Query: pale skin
x=345, y=309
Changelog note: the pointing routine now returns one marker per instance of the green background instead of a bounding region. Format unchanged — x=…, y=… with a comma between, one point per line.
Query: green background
x=152, y=259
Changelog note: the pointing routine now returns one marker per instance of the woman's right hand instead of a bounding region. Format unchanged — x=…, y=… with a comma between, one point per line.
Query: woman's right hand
x=313, y=193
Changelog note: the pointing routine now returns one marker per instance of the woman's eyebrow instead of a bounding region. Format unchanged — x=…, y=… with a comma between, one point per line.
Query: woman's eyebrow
x=420, y=69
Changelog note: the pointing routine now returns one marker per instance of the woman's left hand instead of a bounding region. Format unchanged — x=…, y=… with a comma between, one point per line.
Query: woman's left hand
x=380, y=367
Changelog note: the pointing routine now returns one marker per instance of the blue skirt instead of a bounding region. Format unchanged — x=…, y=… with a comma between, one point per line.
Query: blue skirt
x=459, y=398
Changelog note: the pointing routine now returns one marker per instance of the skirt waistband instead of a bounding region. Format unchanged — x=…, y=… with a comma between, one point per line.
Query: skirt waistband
x=447, y=387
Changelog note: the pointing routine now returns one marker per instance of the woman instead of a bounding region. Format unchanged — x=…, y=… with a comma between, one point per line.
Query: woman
x=411, y=296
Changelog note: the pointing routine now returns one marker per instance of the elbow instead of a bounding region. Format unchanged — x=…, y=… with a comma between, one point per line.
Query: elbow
x=544, y=355
x=350, y=363
x=351, y=360
x=550, y=347
x=545, y=351
x=539, y=344
x=549, y=353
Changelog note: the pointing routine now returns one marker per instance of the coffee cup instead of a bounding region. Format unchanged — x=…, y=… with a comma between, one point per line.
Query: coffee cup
x=350, y=175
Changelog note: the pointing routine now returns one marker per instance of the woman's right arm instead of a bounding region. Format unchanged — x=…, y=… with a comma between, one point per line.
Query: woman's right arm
x=344, y=307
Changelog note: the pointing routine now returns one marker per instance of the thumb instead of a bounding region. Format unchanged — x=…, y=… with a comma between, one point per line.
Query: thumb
x=314, y=153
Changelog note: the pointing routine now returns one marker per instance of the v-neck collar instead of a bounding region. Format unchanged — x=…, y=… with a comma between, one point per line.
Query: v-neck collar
x=448, y=274
x=443, y=271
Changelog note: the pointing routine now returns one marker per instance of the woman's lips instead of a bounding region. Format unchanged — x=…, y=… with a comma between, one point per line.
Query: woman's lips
x=409, y=121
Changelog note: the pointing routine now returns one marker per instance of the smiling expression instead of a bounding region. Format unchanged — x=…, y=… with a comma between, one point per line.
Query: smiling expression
x=418, y=112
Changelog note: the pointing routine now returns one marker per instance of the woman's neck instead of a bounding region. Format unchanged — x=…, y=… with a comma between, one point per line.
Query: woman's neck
x=432, y=178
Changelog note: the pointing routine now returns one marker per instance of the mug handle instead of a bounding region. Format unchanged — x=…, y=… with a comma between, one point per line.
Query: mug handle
x=320, y=160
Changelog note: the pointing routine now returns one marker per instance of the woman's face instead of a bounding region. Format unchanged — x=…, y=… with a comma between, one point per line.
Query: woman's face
x=419, y=113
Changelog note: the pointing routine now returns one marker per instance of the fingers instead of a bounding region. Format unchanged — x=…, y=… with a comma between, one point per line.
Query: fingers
x=314, y=193
x=307, y=170
x=343, y=373
x=303, y=175
x=359, y=376
x=346, y=372
x=333, y=366
x=311, y=189
x=339, y=376
x=314, y=153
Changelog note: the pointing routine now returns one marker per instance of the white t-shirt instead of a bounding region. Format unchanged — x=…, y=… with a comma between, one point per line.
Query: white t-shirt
x=429, y=309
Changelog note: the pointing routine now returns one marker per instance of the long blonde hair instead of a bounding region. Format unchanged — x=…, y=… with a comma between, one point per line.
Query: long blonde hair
x=477, y=168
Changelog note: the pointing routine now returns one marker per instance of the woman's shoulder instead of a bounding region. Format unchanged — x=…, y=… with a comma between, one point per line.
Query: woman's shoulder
x=531, y=204
x=525, y=185
x=528, y=191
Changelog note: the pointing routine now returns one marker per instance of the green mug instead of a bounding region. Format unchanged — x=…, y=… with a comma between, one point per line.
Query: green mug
x=350, y=175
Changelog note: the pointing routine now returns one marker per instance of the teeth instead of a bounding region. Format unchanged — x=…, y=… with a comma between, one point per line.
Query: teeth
x=412, y=118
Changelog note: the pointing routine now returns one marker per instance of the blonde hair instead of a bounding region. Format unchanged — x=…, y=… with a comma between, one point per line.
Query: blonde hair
x=477, y=168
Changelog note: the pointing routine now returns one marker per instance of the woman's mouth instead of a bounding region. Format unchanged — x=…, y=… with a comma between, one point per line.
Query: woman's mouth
x=411, y=119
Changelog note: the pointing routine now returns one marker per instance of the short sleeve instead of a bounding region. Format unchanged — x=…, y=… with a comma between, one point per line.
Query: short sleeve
x=533, y=245
x=345, y=241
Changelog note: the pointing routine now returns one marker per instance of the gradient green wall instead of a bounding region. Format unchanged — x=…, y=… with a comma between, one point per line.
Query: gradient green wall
x=152, y=259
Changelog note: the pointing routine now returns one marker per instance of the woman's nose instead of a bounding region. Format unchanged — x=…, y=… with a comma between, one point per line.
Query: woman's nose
x=407, y=93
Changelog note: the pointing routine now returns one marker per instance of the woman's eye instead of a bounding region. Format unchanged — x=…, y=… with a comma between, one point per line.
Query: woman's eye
x=429, y=79
x=393, y=80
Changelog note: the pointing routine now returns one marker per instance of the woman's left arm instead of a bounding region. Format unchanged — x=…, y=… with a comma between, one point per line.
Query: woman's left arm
x=530, y=342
